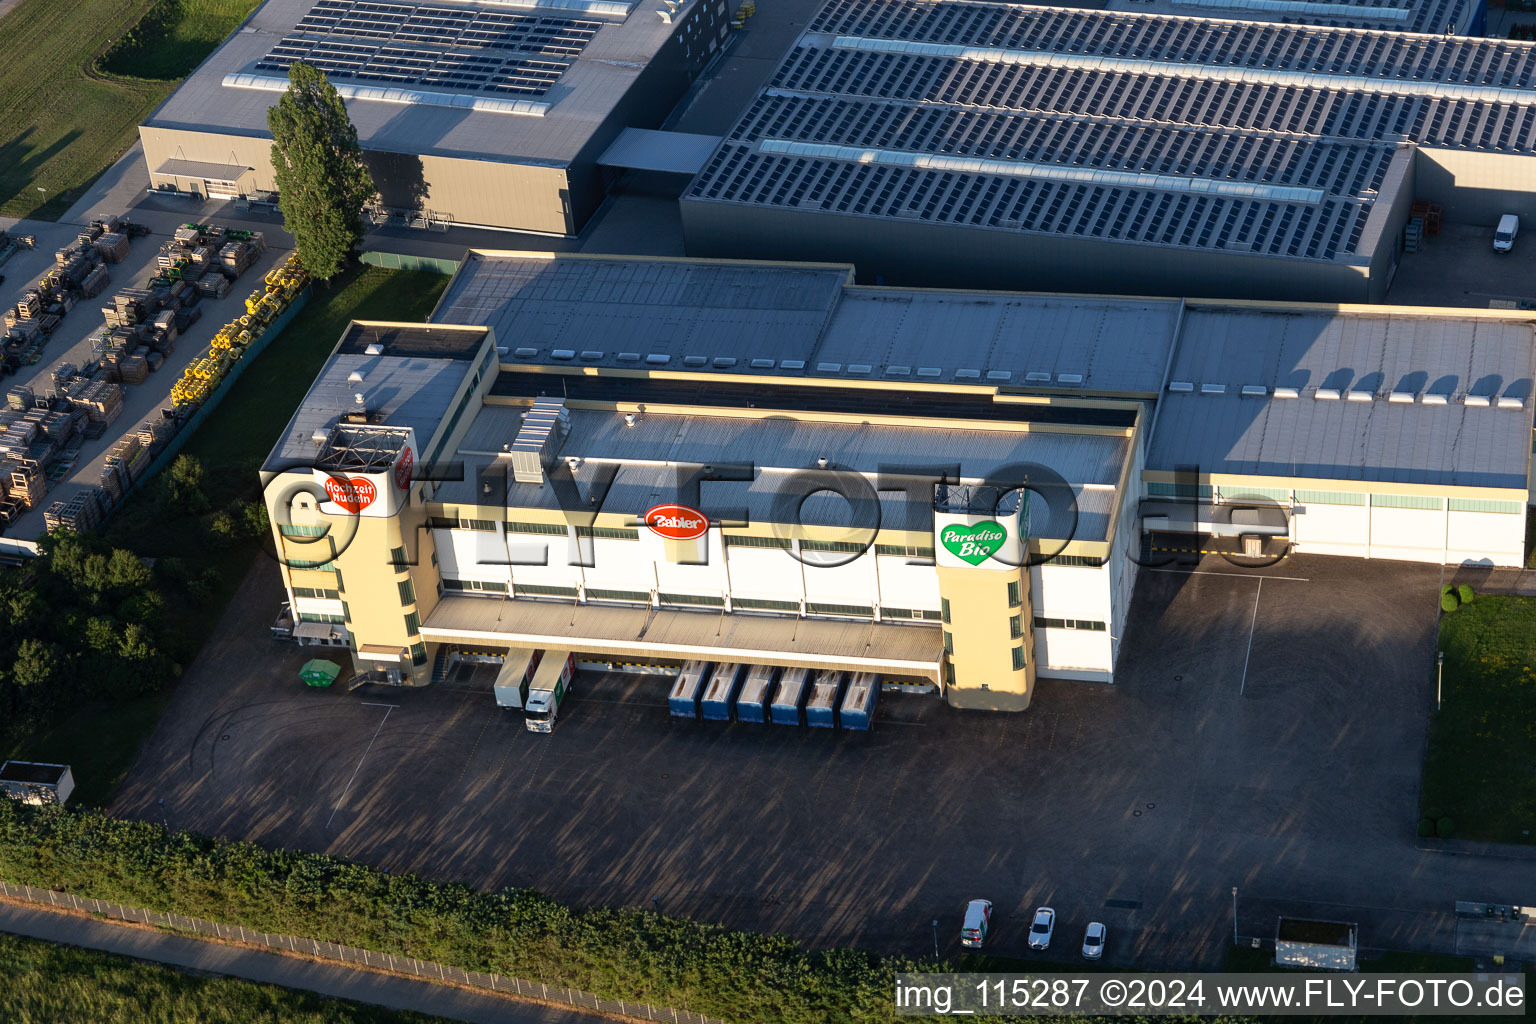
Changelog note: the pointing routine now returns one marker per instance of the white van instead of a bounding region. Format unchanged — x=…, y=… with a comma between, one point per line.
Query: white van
x=1504, y=234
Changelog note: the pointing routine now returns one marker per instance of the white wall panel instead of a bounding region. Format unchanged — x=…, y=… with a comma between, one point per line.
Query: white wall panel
x=1065, y=650
x=907, y=586
x=1332, y=529
x=768, y=574
x=1491, y=538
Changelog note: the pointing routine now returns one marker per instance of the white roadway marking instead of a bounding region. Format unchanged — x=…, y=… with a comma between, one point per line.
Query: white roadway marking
x=1234, y=575
x=1251, y=625
x=359, y=767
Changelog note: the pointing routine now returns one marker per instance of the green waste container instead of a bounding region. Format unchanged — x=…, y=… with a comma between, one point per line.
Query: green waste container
x=319, y=672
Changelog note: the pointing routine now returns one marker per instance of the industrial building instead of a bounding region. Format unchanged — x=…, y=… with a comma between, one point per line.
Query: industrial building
x=975, y=144
x=655, y=460
x=489, y=113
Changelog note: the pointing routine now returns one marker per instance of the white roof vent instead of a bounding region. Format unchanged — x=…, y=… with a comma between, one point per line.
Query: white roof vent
x=792, y=364
x=1287, y=393
x=929, y=371
x=1254, y=390
x=1069, y=378
x=355, y=377
x=1037, y=376
x=1361, y=396
x=761, y=364
x=821, y=462
x=1511, y=403
x=629, y=357
x=1327, y=394
x=999, y=375
x=724, y=362
x=695, y=360
x=1436, y=399
x=320, y=435
x=591, y=355
x=362, y=399
x=1181, y=386
x=898, y=371
x=1213, y=389
x=1479, y=400
x=967, y=374
x=658, y=359
x=829, y=367
x=502, y=350
x=374, y=349
x=860, y=367
x=525, y=352
x=1401, y=398
x=563, y=353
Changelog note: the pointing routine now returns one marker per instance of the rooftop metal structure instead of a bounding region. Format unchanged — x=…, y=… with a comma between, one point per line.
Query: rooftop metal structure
x=557, y=67
x=361, y=448
x=1391, y=397
x=1235, y=136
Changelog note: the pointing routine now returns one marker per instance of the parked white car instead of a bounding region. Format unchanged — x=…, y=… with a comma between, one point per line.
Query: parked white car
x=1504, y=234
x=1041, y=930
x=1093, y=941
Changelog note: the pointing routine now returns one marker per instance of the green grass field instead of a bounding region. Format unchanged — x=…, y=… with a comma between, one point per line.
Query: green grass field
x=44, y=983
x=1482, y=742
x=101, y=741
x=174, y=38
x=64, y=120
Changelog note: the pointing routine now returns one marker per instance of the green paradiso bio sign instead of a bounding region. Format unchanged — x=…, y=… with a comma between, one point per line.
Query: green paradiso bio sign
x=973, y=544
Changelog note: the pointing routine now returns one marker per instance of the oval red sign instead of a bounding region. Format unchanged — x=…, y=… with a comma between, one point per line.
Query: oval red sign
x=352, y=495
x=403, y=469
x=677, y=522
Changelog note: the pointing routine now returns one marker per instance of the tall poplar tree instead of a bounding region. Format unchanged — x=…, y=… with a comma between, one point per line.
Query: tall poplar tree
x=322, y=182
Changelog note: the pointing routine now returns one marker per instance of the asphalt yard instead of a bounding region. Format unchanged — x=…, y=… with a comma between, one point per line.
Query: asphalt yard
x=1265, y=733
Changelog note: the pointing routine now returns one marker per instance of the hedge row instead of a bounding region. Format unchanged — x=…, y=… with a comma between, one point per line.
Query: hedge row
x=620, y=954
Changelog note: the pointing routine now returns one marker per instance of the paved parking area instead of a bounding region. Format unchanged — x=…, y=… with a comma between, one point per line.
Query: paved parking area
x=1265, y=733
x=1458, y=267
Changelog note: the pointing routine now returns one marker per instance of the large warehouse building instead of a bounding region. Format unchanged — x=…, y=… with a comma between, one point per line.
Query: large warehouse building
x=946, y=142
x=489, y=113
x=663, y=460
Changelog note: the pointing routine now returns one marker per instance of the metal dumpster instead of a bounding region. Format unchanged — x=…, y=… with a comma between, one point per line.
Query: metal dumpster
x=720, y=691
x=858, y=710
x=789, y=697
x=683, y=701
x=756, y=692
x=826, y=691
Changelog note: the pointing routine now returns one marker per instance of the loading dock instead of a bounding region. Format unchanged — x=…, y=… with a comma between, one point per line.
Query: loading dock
x=720, y=693
x=826, y=690
x=756, y=693
x=789, y=697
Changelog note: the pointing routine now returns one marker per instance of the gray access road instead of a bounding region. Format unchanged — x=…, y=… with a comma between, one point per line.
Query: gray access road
x=328, y=979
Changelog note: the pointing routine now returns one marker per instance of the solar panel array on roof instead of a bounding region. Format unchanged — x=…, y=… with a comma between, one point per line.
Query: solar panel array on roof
x=448, y=47
x=1224, y=135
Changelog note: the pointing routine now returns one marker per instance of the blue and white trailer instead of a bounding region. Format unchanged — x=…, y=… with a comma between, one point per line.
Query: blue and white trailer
x=683, y=701
x=720, y=691
x=756, y=694
x=788, y=706
x=826, y=691
x=858, y=710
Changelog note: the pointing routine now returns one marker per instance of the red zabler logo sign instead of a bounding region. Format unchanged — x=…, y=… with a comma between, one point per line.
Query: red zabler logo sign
x=403, y=469
x=353, y=495
x=677, y=522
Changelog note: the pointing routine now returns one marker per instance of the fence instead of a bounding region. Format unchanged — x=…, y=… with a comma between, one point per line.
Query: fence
x=403, y=261
x=425, y=969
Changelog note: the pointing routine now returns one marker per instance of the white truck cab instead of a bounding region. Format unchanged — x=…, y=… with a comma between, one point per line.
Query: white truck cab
x=1504, y=234
x=548, y=690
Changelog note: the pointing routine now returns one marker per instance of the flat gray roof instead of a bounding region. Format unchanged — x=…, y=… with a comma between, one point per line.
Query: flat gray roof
x=647, y=452
x=576, y=80
x=804, y=320
x=1238, y=136
x=643, y=149
x=1378, y=398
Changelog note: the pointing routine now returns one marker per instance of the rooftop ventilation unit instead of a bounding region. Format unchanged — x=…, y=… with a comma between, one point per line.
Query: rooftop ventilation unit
x=761, y=364
x=358, y=398
x=525, y=352
x=1435, y=399
x=695, y=360
x=1213, y=389
x=724, y=362
x=1254, y=391
x=538, y=439
x=898, y=371
x=1401, y=398
x=658, y=359
x=1478, y=400
x=999, y=375
x=859, y=367
x=792, y=364
x=320, y=436
x=829, y=367
x=354, y=377
x=563, y=353
x=1326, y=394
x=591, y=355
x=629, y=357
x=929, y=371
x=1181, y=386
x=1361, y=396
x=1037, y=377
x=1069, y=378
x=1287, y=392
x=629, y=419
x=967, y=374
x=1511, y=403
x=502, y=350
x=374, y=349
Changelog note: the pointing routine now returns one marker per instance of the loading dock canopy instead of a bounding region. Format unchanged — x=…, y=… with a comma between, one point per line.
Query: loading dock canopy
x=201, y=169
x=317, y=631
x=641, y=149
x=1233, y=520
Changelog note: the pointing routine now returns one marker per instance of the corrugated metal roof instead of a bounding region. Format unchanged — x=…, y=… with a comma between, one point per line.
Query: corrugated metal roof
x=795, y=320
x=647, y=452
x=1362, y=434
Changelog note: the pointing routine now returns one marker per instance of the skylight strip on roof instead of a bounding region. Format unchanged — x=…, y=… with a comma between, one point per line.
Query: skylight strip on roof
x=385, y=94
x=1173, y=69
x=1303, y=8
x=1048, y=172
